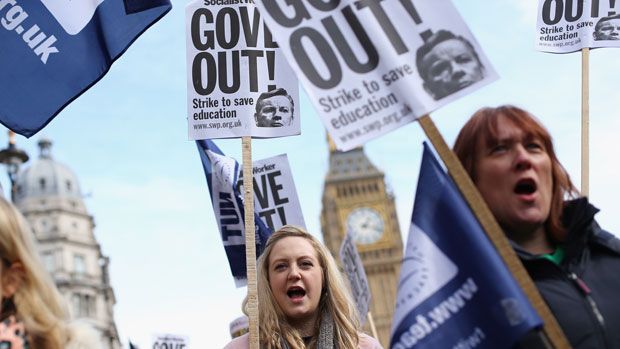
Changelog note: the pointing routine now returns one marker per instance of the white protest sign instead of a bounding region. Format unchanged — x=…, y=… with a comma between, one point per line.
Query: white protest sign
x=238, y=81
x=370, y=67
x=566, y=26
x=170, y=341
x=276, y=201
x=353, y=267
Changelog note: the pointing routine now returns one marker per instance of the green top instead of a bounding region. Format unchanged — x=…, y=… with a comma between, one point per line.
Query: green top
x=556, y=257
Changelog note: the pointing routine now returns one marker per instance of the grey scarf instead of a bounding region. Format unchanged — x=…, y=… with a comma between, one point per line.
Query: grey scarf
x=326, y=333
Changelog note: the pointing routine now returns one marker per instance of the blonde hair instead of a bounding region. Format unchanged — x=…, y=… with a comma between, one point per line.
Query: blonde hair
x=336, y=299
x=37, y=301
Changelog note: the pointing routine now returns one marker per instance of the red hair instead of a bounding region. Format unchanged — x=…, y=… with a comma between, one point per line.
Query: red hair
x=482, y=129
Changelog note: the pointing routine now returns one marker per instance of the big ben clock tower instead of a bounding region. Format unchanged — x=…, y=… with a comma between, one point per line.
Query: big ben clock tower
x=355, y=199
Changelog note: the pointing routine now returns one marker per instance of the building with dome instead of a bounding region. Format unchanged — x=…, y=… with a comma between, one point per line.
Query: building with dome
x=48, y=194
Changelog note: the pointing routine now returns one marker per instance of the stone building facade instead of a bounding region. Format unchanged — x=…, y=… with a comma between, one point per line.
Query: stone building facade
x=48, y=194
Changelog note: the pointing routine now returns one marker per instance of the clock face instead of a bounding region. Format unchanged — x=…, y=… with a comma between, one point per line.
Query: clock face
x=366, y=225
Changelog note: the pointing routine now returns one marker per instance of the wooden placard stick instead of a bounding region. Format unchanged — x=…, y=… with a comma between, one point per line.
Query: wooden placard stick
x=496, y=235
x=585, y=121
x=250, y=241
x=373, y=329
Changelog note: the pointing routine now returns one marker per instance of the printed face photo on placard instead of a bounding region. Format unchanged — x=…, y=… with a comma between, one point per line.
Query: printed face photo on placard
x=274, y=108
x=607, y=28
x=448, y=63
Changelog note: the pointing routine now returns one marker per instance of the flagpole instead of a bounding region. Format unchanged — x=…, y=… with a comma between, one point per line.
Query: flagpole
x=585, y=121
x=250, y=241
x=373, y=329
x=493, y=231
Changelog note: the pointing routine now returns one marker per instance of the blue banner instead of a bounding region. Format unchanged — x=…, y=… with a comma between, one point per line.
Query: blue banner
x=222, y=174
x=51, y=51
x=454, y=291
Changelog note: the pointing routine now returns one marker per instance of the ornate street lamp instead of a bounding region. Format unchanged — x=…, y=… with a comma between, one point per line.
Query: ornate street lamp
x=12, y=158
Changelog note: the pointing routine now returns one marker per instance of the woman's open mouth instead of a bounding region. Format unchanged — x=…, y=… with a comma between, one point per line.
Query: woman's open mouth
x=295, y=293
x=525, y=187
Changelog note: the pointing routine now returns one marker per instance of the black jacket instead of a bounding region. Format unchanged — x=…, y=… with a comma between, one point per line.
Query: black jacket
x=584, y=291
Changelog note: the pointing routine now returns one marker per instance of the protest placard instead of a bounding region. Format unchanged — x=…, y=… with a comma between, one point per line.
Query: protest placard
x=170, y=341
x=566, y=26
x=354, y=269
x=275, y=197
x=239, y=83
x=222, y=173
x=370, y=67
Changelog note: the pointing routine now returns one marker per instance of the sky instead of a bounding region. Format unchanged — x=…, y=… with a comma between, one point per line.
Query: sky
x=126, y=139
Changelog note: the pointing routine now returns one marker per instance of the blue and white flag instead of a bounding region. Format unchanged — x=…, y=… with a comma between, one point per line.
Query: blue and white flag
x=51, y=51
x=454, y=291
x=222, y=174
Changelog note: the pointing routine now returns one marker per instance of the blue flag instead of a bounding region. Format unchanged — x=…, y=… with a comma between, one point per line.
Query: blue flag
x=51, y=51
x=454, y=291
x=222, y=174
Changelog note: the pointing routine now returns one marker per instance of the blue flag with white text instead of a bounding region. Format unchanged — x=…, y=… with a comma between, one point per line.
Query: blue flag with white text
x=222, y=174
x=454, y=290
x=51, y=51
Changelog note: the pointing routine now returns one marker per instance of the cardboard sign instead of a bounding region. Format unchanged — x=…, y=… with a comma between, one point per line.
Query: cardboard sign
x=567, y=26
x=370, y=67
x=238, y=81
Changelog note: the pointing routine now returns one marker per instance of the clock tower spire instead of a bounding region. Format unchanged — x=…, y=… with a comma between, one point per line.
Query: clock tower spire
x=355, y=198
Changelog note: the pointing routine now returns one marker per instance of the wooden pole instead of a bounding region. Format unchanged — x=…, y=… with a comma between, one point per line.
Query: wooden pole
x=585, y=122
x=250, y=241
x=12, y=177
x=373, y=329
x=493, y=231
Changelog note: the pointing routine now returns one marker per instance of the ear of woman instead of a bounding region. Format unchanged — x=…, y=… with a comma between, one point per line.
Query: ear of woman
x=12, y=278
